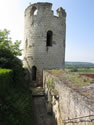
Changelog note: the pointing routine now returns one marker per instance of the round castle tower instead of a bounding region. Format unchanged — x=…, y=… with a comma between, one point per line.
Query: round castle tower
x=44, y=39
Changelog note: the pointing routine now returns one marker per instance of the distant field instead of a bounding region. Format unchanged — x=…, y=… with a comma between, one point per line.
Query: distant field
x=90, y=70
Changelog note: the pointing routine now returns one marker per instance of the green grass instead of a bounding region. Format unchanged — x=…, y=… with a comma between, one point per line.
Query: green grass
x=91, y=70
x=85, y=70
x=6, y=79
x=56, y=71
x=4, y=71
x=51, y=84
x=76, y=79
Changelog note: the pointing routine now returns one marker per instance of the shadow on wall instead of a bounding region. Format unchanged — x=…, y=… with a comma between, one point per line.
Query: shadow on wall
x=41, y=114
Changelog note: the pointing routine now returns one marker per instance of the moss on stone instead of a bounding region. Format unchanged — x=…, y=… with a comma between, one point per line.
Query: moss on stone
x=51, y=84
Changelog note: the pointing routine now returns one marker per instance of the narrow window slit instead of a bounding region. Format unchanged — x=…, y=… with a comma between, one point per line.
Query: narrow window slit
x=49, y=38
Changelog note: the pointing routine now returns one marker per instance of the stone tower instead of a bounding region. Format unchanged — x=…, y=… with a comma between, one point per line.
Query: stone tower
x=44, y=39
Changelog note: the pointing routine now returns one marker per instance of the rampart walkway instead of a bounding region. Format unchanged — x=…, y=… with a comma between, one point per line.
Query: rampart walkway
x=40, y=115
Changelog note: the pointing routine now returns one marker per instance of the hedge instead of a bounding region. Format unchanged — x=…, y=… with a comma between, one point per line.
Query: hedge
x=10, y=61
x=15, y=102
x=6, y=79
x=16, y=108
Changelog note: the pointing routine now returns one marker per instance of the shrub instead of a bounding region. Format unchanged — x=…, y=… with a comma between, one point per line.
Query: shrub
x=9, y=61
x=16, y=101
x=6, y=79
x=16, y=108
x=74, y=70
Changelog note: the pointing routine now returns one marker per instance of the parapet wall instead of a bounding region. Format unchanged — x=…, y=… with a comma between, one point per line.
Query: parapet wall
x=68, y=105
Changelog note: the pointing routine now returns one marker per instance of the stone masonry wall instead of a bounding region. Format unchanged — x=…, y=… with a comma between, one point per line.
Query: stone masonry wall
x=67, y=105
x=35, y=37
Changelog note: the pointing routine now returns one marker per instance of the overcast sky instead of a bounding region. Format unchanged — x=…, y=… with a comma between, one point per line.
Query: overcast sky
x=80, y=24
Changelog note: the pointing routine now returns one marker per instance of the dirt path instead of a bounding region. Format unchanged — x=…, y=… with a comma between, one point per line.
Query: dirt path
x=40, y=115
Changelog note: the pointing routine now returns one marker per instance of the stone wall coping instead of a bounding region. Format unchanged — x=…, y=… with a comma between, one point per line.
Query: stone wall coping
x=85, y=92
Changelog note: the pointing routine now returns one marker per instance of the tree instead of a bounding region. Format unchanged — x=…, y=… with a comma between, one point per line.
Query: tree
x=6, y=43
x=74, y=69
x=15, y=98
x=8, y=55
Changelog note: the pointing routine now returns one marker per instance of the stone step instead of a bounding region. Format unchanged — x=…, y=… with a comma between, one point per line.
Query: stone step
x=37, y=91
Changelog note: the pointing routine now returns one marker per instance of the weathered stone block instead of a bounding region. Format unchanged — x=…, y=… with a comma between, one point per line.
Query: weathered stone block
x=44, y=37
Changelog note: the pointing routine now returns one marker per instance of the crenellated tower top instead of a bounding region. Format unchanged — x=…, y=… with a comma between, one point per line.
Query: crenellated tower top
x=42, y=8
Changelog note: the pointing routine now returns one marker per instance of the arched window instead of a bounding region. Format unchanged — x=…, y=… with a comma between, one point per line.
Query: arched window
x=34, y=72
x=49, y=38
x=34, y=11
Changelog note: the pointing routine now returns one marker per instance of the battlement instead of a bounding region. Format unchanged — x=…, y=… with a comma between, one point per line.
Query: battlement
x=39, y=5
x=61, y=12
x=41, y=8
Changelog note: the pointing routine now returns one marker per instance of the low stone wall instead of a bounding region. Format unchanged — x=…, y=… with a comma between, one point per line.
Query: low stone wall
x=67, y=105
